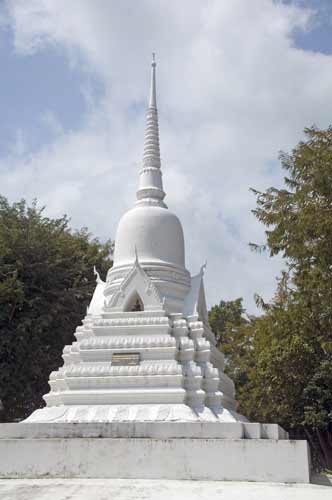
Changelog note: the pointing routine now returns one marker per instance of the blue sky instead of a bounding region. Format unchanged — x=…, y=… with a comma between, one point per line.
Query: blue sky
x=36, y=86
x=318, y=38
x=236, y=84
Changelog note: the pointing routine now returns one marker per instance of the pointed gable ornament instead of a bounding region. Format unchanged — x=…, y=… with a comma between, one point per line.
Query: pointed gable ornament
x=195, y=302
x=136, y=283
x=95, y=307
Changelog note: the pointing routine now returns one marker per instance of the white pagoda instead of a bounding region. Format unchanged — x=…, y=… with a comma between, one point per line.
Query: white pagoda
x=142, y=392
x=145, y=350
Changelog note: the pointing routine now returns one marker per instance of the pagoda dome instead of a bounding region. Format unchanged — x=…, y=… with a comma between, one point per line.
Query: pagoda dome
x=156, y=234
x=149, y=232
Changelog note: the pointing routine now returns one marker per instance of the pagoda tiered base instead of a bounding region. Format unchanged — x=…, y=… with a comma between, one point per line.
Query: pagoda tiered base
x=233, y=451
x=132, y=413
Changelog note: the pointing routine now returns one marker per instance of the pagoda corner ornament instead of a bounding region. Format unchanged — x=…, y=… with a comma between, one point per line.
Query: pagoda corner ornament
x=145, y=368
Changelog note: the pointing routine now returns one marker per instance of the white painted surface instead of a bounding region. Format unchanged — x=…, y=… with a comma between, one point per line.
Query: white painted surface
x=200, y=459
x=134, y=429
x=155, y=231
x=180, y=374
x=96, y=305
x=150, y=228
x=140, y=489
x=111, y=413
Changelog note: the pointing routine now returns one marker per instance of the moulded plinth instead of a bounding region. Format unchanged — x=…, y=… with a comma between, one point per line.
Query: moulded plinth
x=200, y=458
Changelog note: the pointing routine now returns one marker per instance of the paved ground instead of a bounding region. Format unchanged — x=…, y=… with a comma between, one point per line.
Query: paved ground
x=129, y=489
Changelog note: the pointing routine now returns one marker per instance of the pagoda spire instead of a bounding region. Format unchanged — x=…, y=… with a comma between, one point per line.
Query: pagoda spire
x=153, y=99
x=150, y=191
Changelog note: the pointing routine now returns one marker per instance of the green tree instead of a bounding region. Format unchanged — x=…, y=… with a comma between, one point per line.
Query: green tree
x=232, y=327
x=299, y=227
x=317, y=400
x=282, y=361
x=292, y=343
x=46, y=282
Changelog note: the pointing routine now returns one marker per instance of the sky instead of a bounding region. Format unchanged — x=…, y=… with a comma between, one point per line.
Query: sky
x=237, y=82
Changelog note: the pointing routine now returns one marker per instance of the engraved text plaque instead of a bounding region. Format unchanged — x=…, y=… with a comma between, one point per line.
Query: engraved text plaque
x=125, y=359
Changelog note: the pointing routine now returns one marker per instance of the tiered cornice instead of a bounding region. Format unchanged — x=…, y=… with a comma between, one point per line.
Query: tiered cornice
x=150, y=190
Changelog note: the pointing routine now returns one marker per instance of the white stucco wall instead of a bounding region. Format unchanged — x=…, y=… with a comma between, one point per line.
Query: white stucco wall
x=201, y=459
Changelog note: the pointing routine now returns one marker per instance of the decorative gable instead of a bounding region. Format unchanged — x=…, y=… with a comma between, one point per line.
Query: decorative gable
x=97, y=302
x=136, y=288
x=195, y=302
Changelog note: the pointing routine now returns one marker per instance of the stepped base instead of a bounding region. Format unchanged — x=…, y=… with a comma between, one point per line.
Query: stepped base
x=153, y=450
x=132, y=413
x=152, y=430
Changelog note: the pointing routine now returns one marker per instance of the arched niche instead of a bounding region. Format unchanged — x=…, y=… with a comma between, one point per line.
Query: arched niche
x=134, y=303
x=136, y=285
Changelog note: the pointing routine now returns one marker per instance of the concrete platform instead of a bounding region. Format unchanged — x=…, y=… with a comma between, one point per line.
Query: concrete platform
x=129, y=489
x=145, y=458
x=236, y=451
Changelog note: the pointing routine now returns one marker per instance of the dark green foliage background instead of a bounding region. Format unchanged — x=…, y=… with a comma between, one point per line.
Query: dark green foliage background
x=281, y=361
x=46, y=282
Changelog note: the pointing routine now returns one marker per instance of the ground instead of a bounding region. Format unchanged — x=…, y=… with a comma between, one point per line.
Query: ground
x=130, y=489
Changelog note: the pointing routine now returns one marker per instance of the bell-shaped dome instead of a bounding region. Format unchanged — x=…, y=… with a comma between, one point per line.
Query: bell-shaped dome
x=149, y=233
x=155, y=232
x=150, y=228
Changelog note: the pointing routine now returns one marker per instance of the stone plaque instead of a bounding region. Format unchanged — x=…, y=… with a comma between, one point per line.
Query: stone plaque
x=125, y=358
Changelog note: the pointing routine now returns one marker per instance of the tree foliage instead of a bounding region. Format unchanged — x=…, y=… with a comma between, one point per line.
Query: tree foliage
x=289, y=364
x=46, y=282
x=295, y=335
x=231, y=326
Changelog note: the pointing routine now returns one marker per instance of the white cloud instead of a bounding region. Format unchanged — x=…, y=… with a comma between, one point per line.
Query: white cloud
x=233, y=91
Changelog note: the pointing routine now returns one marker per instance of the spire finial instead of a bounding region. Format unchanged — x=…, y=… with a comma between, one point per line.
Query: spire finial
x=153, y=100
x=150, y=187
